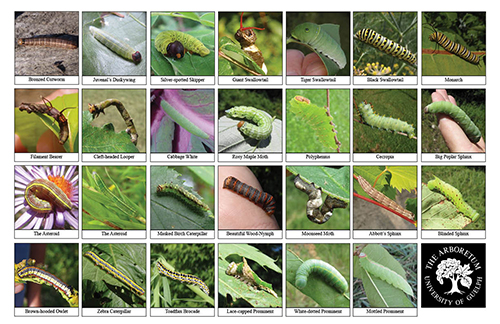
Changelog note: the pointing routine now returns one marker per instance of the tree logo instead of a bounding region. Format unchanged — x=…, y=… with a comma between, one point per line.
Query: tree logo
x=452, y=270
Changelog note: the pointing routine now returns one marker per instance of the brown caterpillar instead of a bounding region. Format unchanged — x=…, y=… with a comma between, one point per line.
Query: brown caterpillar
x=261, y=199
x=56, y=42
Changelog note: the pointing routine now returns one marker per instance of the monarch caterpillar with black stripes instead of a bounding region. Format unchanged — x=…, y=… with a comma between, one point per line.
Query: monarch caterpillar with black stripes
x=261, y=199
x=325, y=270
x=116, y=45
x=263, y=123
x=371, y=37
x=182, y=193
x=173, y=43
x=455, y=48
x=183, y=277
x=243, y=272
x=381, y=122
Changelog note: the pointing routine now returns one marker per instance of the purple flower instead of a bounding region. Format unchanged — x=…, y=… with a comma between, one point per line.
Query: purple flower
x=64, y=177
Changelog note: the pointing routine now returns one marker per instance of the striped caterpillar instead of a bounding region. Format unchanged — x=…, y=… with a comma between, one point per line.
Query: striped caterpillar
x=44, y=196
x=371, y=37
x=116, y=45
x=386, y=123
x=383, y=199
x=455, y=48
x=326, y=271
x=454, y=196
x=243, y=272
x=173, y=43
x=458, y=115
x=179, y=191
x=28, y=272
x=313, y=211
x=261, y=199
x=138, y=290
x=264, y=123
x=182, y=277
x=62, y=42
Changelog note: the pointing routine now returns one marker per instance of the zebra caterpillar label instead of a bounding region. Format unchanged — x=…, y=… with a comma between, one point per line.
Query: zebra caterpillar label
x=138, y=290
x=326, y=271
x=173, y=43
x=312, y=35
x=183, y=277
x=171, y=189
x=243, y=272
x=55, y=42
x=116, y=45
x=261, y=199
x=44, y=196
x=316, y=211
x=455, y=48
x=371, y=37
x=454, y=196
x=459, y=116
x=263, y=123
x=386, y=123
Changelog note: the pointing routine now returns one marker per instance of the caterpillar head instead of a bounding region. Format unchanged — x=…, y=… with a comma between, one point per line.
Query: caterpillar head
x=136, y=57
x=305, y=31
x=175, y=50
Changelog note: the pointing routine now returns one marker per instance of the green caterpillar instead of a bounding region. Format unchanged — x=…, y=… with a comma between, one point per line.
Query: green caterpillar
x=264, y=123
x=116, y=45
x=459, y=116
x=179, y=191
x=243, y=272
x=381, y=122
x=174, y=43
x=331, y=275
x=454, y=196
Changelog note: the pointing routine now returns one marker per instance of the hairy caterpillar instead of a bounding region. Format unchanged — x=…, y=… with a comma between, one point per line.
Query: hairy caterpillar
x=56, y=42
x=182, y=277
x=180, y=192
x=331, y=275
x=116, y=45
x=387, y=123
x=262, y=199
x=459, y=116
x=371, y=37
x=313, y=211
x=39, y=276
x=264, y=124
x=173, y=43
x=44, y=196
x=388, y=275
x=455, y=48
x=454, y=196
x=383, y=199
x=243, y=272
x=115, y=273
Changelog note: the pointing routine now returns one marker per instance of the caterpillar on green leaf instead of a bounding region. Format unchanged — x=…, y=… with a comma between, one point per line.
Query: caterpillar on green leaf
x=173, y=43
x=171, y=189
x=243, y=272
x=326, y=271
x=381, y=122
x=261, y=126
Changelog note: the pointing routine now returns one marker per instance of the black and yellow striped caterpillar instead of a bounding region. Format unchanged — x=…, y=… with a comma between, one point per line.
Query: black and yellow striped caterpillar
x=262, y=199
x=173, y=43
x=455, y=48
x=183, y=277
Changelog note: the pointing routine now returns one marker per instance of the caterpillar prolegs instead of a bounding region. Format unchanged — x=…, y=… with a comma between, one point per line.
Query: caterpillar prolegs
x=326, y=271
x=243, y=272
x=316, y=211
x=381, y=122
x=263, y=123
x=262, y=199
x=182, y=277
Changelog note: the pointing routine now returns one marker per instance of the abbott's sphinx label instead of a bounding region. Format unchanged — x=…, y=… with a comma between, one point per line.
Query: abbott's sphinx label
x=453, y=275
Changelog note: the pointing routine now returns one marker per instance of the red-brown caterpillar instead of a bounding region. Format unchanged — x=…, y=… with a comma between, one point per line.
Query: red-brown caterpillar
x=262, y=199
x=54, y=41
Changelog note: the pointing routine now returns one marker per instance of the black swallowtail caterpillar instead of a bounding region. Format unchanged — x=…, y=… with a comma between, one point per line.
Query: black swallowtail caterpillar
x=331, y=275
x=173, y=43
x=178, y=191
x=316, y=211
x=371, y=37
x=243, y=272
x=381, y=122
x=455, y=48
x=116, y=45
x=264, y=123
x=261, y=199
x=183, y=277
x=454, y=196
x=458, y=115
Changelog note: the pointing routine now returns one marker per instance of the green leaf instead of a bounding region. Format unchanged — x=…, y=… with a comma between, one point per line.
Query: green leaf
x=248, y=252
x=403, y=177
x=388, y=275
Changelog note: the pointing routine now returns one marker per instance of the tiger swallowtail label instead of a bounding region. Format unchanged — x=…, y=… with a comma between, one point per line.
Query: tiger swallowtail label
x=243, y=272
x=173, y=43
x=459, y=116
x=386, y=123
x=326, y=271
x=263, y=123
x=454, y=195
x=116, y=45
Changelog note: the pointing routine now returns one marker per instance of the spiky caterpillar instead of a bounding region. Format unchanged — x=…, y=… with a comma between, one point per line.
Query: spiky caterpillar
x=178, y=191
x=243, y=272
x=174, y=43
x=264, y=124
x=459, y=116
x=326, y=271
x=116, y=45
x=313, y=211
x=381, y=122
x=454, y=196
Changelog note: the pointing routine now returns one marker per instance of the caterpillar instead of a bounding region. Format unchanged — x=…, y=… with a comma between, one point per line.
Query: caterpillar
x=173, y=43
x=383, y=199
x=384, y=273
x=312, y=35
x=34, y=274
x=371, y=37
x=313, y=211
x=264, y=123
x=115, y=273
x=182, y=193
x=243, y=272
x=261, y=199
x=182, y=277
x=56, y=42
x=381, y=122
x=454, y=196
x=247, y=38
x=116, y=45
x=330, y=275
x=459, y=116
x=455, y=48
x=44, y=196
